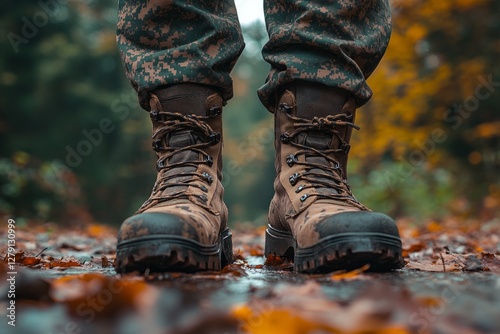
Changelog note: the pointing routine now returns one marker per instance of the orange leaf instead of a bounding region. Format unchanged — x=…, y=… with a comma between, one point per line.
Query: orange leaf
x=343, y=275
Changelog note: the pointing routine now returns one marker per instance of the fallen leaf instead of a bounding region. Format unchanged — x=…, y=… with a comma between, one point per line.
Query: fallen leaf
x=97, y=294
x=413, y=248
x=234, y=270
x=62, y=264
x=276, y=261
x=105, y=262
x=491, y=261
x=30, y=261
x=349, y=275
x=473, y=263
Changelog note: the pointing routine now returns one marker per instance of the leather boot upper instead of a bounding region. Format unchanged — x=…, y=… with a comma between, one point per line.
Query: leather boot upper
x=186, y=199
x=313, y=129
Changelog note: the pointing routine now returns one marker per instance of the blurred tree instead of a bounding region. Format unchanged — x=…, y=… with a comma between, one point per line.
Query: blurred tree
x=66, y=105
x=249, y=144
x=73, y=139
x=434, y=106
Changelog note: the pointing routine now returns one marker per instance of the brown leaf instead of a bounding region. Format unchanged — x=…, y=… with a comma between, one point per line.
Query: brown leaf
x=413, y=248
x=491, y=261
x=30, y=261
x=105, y=262
x=234, y=270
x=62, y=264
x=256, y=250
x=96, y=294
x=473, y=263
x=278, y=263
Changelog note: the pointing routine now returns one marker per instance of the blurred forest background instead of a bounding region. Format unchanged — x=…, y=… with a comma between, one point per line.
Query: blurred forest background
x=75, y=146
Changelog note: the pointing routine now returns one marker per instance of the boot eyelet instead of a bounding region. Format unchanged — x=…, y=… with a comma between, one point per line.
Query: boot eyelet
x=285, y=138
x=155, y=115
x=299, y=189
x=204, y=189
x=293, y=179
x=208, y=178
x=291, y=159
x=337, y=166
x=203, y=198
x=304, y=197
x=284, y=108
x=214, y=111
x=209, y=160
x=160, y=164
x=345, y=148
x=157, y=145
x=214, y=138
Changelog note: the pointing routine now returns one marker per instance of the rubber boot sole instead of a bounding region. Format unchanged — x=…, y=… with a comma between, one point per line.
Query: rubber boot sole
x=343, y=251
x=167, y=253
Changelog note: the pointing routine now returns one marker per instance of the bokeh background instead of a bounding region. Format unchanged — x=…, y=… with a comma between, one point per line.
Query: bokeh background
x=75, y=146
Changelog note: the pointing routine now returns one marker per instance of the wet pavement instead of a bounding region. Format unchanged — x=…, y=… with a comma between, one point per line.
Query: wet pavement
x=445, y=288
x=416, y=301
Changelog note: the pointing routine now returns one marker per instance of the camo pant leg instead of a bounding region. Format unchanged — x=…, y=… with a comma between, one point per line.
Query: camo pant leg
x=335, y=42
x=177, y=41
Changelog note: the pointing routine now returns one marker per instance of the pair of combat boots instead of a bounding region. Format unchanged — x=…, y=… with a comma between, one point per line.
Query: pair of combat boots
x=314, y=219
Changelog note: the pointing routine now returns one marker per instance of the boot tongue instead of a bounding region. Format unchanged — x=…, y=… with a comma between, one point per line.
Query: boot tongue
x=317, y=140
x=313, y=100
x=186, y=98
x=182, y=139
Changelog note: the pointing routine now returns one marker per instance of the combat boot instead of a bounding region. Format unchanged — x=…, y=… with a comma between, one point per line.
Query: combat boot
x=183, y=224
x=314, y=219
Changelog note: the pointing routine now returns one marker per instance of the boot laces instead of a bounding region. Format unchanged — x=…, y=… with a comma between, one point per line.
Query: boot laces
x=186, y=169
x=322, y=171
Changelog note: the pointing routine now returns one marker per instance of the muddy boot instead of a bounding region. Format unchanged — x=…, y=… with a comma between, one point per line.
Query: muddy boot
x=183, y=224
x=314, y=219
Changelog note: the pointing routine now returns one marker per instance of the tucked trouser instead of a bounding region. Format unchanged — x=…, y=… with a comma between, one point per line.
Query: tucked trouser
x=334, y=42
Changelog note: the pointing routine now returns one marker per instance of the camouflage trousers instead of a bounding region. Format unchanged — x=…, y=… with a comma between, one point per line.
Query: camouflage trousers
x=335, y=42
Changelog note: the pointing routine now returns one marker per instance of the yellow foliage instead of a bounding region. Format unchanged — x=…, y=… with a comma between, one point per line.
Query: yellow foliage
x=487, y=130
x=414, y=88
x=466, y=4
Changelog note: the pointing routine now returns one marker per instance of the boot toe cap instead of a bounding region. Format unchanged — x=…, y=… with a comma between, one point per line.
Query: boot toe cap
x=357, y=221
x=157, y=223
x=345, y=223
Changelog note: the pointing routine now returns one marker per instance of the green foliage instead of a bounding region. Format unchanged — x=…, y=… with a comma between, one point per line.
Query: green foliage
x=390, y=188
x=36, y=189
x=64, y=91
x=249, y=143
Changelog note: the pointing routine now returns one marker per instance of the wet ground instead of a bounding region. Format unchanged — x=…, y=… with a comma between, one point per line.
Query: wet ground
x=441, y=290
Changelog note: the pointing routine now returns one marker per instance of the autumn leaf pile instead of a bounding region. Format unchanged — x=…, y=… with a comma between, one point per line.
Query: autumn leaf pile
x=72, y=268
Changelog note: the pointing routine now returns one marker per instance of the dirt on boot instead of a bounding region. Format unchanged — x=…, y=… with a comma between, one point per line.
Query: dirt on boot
x=182, y=226
x=314, y=219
